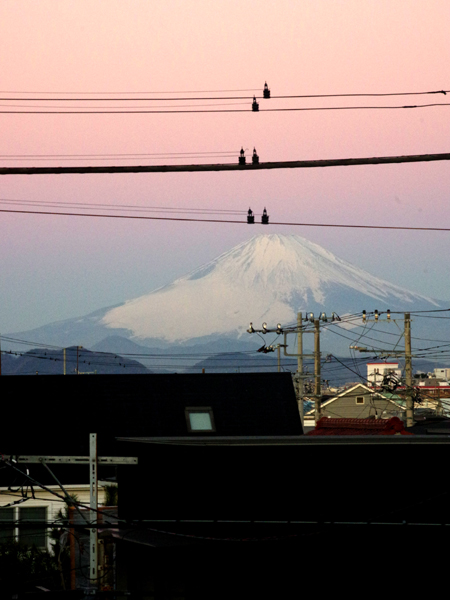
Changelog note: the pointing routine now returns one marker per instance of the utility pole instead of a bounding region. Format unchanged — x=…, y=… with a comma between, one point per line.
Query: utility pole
x=408, y=373
x=317, y=394
x=78, y=347
x=278, y=347
x=300, y=355
x=300, y=386
x=409, y=396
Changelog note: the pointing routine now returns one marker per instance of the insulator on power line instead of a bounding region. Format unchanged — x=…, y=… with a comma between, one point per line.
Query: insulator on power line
x=364, y=315
x=250, y=329
x=279, y=331
x=264, y=327
x=335, y=317
x=323, y=316
x=255, y=157
x=265, y=217
x=266, y=91
x=250, y=217
x=255, y=105
x=388, y=315
x=376, y=315
x=242, y=157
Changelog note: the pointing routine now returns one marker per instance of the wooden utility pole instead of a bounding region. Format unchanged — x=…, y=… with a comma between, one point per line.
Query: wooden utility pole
x=409, y=391
x=317, y=394
x=408, y=373
x=300, y=386
x=300, y=356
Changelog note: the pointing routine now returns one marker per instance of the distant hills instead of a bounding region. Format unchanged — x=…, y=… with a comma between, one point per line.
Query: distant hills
x=45, y=361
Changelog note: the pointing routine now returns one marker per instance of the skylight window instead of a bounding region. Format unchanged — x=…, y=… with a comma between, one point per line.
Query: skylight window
x=199, y=419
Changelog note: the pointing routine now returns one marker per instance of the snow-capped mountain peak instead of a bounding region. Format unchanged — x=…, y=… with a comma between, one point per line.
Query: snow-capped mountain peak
x=268, y=278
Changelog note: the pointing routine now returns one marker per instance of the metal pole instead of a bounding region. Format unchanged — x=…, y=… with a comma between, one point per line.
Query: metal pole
x=408, y=373
x=317, y=395
x=93, y=534
x=300, y=386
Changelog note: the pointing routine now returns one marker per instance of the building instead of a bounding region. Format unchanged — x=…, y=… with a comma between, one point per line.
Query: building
x=358, y=402
x=377, y=371
x=363, y=427
x=30, y=504
x=229, y=498
x=442, y=373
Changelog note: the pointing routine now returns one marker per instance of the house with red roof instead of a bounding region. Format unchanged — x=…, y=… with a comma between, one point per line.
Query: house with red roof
x=370, y=426
x=358, y=402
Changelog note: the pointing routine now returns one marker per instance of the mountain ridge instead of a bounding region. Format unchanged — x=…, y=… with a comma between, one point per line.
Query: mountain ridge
x=267, y=278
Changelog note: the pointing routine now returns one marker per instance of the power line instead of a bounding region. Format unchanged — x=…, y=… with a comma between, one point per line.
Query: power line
x=135, y=93
x=124, y=207
x=129, y=154
x=293, y=164
x=123, y=96
x=203, y=111
x=86, y=108
x=192, y=220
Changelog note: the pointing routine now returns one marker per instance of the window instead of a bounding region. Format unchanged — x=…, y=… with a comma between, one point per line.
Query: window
x=359, y=399
x=24, y=524
x=199, y=419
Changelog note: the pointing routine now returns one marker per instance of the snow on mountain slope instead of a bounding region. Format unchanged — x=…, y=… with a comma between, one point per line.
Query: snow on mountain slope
x=268, y=278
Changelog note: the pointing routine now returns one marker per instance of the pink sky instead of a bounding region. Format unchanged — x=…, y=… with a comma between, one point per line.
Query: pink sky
x=60, y=267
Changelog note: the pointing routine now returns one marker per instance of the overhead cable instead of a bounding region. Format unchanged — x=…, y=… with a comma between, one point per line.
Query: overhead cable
x=192, y=220
x=292, y=164
x=236, y=110
x=122, y=97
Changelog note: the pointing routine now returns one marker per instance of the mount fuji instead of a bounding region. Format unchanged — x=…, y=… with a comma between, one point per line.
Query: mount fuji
x=267, y=278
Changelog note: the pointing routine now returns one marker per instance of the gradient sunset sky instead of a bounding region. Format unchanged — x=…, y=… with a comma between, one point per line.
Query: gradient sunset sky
x=56, y=267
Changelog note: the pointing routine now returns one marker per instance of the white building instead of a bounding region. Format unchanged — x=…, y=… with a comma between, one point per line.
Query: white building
x=377, y=370
x=442, y=373
x=44, y=507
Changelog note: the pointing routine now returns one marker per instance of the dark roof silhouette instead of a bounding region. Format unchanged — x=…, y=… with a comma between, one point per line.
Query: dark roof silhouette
x=58, y=412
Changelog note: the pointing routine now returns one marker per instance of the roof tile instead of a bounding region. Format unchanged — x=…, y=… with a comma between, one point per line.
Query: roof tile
x=327, y=426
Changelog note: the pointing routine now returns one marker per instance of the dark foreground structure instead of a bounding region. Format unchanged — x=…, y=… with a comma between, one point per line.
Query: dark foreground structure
x=229, y=498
